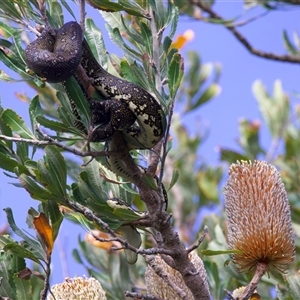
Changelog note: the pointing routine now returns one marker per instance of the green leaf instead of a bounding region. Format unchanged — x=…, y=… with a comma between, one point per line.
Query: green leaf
x=36, y=191
x=8, y=163
x=115, y=25
x=160, y=13
x=57, y=165
x=23, y=288
x=10, y=9
x=134, y=73
x=68, y=8
x=249, y=139
x=274, y=110
x=294, y=286
x=81, y=219
x=17, y=124
x=95, y=180
x=124, y=211
x=175, y=74
x=133, y=237
x=20, y=251
x=130, y=7
x=231, y=156
x=35, y=247
x=95, y=40
x=212, y=91
x=147, y=38
x=7, y=289
x=35, y=110
x=175, y=176
x=53, y=125
x=56, y=12
x=76, y=94
x=208, y=181
x=13, y=62
x=219, y=252
x=172, y=18
x=288, y=45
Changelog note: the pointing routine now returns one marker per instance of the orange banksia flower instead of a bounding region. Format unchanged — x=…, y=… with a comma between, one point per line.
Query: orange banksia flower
x=156, y=286
x=259, y=217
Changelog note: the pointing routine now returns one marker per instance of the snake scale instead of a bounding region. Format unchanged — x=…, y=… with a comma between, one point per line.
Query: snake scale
x=55, y=56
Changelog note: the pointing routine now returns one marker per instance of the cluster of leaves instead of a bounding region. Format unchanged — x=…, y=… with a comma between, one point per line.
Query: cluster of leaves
x=46, y=179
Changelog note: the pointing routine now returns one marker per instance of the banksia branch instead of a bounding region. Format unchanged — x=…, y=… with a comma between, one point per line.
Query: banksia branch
x=259, y=220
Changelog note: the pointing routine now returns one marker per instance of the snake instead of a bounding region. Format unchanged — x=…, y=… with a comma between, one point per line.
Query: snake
x=55, y=56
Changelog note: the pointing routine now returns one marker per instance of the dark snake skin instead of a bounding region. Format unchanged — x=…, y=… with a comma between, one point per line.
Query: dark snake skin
x=55, y=56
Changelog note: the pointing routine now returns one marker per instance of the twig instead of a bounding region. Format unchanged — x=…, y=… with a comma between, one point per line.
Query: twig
x=51, y=141
x=140, y=296
x=82, y=14
x=243, y=40
x=92, y=217
x=251, y=287
x=47, y=278
x=245, y=22
x=154, y=159
x=42, y=9
x=200, y=240
x=155, y=48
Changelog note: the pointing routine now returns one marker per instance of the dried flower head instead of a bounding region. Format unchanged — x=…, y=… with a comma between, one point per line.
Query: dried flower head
x=156, y=286
x=259, y=217
x=78, y=288
x=238, y=294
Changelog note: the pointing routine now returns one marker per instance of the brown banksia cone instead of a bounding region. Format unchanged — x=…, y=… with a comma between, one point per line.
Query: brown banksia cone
x=157, y=286
x=78, y=288
x=259, y=218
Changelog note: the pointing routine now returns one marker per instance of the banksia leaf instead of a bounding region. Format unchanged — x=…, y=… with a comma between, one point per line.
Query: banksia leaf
x=77, y=289
x=259, y=218
x=158, y=287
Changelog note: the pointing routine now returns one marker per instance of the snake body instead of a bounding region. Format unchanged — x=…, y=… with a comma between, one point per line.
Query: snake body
x=55, y=56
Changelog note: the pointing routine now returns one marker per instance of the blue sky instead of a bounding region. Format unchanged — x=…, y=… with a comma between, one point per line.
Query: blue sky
x=239, y=70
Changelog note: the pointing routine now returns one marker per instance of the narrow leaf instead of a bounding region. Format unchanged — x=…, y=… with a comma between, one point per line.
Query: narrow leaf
x=44, y=231
x=175, y=74
x=16, y=123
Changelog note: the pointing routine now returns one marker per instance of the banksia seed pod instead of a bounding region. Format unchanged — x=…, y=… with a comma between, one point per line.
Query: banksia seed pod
x=78, y=288
x=156, y=286
x=238, y=294
x=259, y=217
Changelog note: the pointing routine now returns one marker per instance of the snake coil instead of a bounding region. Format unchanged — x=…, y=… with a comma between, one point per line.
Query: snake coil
x=55, y=56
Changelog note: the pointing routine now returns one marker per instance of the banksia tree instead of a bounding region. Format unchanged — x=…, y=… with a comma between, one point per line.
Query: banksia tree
x=259, y=220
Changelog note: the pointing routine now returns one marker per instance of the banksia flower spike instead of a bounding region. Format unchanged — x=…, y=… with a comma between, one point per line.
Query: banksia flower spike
x=78, y=288
x=158, y=287
x=259, y=219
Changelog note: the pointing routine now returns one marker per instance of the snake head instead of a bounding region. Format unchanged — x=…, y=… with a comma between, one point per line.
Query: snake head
x=56, y=53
